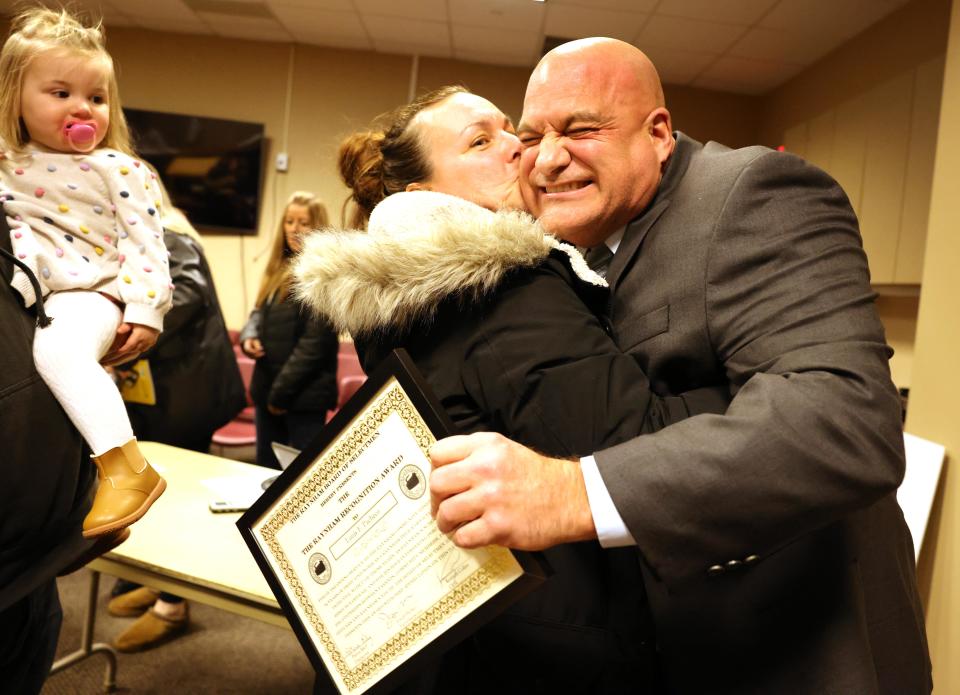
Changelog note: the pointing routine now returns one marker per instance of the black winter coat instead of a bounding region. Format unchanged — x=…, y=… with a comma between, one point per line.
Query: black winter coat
x=532, y=361
x=46, y=478
x=196, y=380
x=299, y=370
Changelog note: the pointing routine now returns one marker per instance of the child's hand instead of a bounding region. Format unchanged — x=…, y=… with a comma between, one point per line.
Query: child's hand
x=131, y=340
x=252, y=347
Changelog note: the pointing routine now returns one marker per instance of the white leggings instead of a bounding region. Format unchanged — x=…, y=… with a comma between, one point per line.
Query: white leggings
x=67, y=354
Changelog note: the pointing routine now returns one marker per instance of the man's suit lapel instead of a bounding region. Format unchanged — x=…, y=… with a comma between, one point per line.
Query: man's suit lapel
x=632, y=239
x=643, y=223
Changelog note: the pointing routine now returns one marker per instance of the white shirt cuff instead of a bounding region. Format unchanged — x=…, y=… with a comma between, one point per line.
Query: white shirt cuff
x=611, y=531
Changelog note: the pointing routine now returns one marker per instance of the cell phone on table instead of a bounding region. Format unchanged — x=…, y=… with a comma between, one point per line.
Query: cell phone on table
x=225, y=506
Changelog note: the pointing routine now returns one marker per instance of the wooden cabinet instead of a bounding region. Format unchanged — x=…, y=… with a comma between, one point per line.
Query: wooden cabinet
x=880, y=147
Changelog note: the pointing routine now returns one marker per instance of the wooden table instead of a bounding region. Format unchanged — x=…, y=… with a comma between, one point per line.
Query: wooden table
x=181, y=547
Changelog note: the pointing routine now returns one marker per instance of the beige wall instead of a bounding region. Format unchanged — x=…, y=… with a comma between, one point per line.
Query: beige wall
x=905, y=39
x=730, y=119
x=504, y=86
x=933, y=411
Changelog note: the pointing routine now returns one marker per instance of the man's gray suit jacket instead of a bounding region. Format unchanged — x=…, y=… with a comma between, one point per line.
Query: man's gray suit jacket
x=775, y=556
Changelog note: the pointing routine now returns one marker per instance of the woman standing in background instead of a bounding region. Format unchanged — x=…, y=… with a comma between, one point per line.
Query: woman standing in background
x=295, y=379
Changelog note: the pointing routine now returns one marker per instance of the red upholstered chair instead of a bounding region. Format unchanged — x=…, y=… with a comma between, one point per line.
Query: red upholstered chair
x=346, y=387
x=246, y=366
x=239, y=436
x=236, y=433
x=349, y=386
x=348, y=364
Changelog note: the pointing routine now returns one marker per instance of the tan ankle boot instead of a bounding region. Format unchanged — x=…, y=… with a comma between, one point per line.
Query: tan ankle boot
x=128, y=487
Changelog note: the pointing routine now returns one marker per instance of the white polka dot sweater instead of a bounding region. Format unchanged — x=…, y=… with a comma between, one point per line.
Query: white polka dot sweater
x=90, y=222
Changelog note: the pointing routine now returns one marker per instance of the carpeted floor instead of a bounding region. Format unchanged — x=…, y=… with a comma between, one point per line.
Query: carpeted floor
x=221, y=653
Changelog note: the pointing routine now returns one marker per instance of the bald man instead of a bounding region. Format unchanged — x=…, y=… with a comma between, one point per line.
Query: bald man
x=774, y=554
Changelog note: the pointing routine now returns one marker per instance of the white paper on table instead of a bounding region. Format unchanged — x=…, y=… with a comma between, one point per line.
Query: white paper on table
x=237, y=492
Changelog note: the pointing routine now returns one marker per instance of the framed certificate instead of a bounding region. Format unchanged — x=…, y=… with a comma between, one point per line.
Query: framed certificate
x=346, y=542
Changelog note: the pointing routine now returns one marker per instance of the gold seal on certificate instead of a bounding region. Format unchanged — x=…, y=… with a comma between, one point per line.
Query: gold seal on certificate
x=347, y=543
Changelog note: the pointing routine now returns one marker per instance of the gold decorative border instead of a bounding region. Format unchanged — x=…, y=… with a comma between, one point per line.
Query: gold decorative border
x=395, y=400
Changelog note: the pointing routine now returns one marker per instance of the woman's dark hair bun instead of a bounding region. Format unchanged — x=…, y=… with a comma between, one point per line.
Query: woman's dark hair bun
x=361, y=168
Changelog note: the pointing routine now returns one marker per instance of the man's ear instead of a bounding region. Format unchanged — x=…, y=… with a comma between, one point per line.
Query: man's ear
x=661, y=133
x=417, y=186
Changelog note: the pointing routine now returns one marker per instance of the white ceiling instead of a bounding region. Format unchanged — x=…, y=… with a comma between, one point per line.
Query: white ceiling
x=742, y=46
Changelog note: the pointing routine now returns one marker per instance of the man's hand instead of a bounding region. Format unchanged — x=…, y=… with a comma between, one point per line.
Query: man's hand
x=252, y=347
x=490, y=490
x=132, y=339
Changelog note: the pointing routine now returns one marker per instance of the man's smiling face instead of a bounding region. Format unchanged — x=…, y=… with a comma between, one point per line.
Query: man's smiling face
x=593, y=144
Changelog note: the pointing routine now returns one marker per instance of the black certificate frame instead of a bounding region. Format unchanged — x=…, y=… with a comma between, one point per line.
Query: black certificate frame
x=398, y=365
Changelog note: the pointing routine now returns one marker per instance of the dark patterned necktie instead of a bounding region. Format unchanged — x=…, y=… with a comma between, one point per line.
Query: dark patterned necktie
x=598, y=258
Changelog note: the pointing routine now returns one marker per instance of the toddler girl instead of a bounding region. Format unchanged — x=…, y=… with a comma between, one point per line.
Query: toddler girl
x=86, y=238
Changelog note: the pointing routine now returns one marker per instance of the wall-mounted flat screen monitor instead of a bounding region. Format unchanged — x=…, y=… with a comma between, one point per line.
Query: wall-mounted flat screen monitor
x=212, y=167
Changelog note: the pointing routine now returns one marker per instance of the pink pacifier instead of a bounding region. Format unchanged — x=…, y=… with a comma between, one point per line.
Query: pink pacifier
x=82, y=136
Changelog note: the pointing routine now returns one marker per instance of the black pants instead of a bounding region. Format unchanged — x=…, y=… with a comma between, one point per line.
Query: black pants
x=295, y=428
x=29, y=630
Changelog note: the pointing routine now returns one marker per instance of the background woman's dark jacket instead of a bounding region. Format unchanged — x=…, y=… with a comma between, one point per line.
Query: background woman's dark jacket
x=299, y=370
x=196, y=380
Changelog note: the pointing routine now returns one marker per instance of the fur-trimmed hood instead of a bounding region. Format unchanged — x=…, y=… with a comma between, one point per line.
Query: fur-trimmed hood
x=420, y=248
